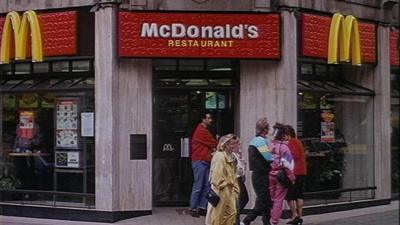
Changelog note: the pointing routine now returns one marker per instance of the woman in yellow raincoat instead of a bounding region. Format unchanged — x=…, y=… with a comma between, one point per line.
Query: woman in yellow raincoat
x=224, y=182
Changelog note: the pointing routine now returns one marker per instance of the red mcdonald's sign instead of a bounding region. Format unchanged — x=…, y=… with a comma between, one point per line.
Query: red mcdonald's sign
x=199, y=35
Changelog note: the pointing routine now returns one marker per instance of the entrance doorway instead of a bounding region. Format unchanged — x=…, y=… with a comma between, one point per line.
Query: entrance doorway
x=180, y=101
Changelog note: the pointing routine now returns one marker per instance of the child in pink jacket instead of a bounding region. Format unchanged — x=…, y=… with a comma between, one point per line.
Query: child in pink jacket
x=282, y=159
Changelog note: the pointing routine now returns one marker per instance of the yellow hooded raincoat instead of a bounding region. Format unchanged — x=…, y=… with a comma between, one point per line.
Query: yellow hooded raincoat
x=224, y=183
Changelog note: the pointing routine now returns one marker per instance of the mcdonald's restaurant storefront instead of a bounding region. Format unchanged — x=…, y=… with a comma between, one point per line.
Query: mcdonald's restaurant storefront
x=98, y=107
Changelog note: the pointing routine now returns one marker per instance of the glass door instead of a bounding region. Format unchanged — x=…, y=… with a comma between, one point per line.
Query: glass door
x=176, y=114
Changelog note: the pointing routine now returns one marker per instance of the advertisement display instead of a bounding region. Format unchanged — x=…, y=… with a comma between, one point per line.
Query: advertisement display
x=67, y=124
x=70, y=159
x=207, y=35
x=327, y=126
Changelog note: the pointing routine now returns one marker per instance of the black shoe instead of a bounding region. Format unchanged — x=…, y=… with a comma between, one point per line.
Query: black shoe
x=194, y=213
x=297, y=220
x=202, y=212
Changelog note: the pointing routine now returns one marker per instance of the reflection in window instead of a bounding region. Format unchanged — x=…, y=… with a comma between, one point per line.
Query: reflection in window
x=337, y=131
x=62, y=66
x=191, y=64
x=22, y=68
x=41, y=67
x=80, y=66
x=306, y=69
x=211, y=100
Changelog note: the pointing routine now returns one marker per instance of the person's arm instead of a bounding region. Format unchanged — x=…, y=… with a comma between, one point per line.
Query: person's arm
x=204, y=137
x=289, y=164
x=217, y=175
x=295, y=149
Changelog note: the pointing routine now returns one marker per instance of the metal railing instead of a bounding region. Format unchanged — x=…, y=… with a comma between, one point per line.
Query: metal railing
x=20, y=193
x=326, y=195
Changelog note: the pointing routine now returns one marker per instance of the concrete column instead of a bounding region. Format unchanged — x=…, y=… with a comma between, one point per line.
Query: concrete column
x=106, y=102
x=382, y=115
x=269, y=88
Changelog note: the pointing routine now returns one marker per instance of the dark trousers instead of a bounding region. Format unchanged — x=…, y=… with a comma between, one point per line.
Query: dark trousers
x=263, y=199
x=243, y=198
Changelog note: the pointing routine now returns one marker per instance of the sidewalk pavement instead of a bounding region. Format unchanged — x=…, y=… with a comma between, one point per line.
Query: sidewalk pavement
x=379, y=215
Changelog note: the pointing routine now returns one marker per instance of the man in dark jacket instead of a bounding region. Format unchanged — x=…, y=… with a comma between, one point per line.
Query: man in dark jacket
x=260, y=158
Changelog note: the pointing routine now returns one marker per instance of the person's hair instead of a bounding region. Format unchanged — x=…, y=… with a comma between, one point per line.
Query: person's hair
x=280, y=130
x=291, y=131
x=224, y=140
x=262, y=125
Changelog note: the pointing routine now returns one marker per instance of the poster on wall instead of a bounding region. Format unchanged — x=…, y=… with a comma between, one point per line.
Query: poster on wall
x=327, y=126
x=29, y=101
x=87, y=124
x=26, y=121
x=67, y=124
x=307, y=101
x=67, y=159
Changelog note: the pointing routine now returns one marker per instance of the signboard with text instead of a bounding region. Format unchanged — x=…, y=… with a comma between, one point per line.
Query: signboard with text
x=199, y=35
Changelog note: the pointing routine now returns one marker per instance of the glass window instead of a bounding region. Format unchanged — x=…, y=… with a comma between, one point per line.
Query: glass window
x=395, y=125
x=320, y=70
x=5, y=69
x=41, y=67
x=219, y=65
x=306, y=69
x=22, y=68
x=31, y=122
x=80, y=66
x=191, y=64
x=337, y=132
x=62, y=66
x=164, y=64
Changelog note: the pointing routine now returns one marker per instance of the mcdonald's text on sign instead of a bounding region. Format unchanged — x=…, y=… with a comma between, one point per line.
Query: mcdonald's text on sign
x=143, y=34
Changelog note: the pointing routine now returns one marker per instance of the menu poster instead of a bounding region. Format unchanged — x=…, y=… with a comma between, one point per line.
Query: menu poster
x=328, y=132
x=26, y=121
x=67, y=124
x=327, y=126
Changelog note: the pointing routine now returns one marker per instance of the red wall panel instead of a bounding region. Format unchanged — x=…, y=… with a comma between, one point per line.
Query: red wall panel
x=315, y=37
x=394, y=48
x=58, y=31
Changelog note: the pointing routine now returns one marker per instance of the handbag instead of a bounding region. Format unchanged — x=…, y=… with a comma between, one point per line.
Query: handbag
x=282, y=177
x=212, y=197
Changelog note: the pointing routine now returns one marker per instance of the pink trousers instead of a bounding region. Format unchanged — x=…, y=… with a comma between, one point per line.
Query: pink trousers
x=278, y=194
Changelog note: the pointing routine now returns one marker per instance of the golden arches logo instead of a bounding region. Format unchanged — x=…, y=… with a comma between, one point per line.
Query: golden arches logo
x=19, y=27
x=344, y=39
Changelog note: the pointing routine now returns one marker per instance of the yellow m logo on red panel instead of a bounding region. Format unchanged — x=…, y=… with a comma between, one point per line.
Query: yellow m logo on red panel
x=19, y=28
x=344, y=40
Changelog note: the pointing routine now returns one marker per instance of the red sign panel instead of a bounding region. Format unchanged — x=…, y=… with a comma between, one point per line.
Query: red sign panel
x=58, y=31
x=315, y=37
x=394, y=48
x=199, y=35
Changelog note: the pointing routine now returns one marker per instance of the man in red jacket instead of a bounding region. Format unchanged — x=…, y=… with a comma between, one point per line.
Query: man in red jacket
x=203, y=143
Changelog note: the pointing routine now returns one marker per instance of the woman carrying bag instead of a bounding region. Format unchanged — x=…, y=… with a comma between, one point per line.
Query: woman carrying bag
x=282, y=161
x=224, y=182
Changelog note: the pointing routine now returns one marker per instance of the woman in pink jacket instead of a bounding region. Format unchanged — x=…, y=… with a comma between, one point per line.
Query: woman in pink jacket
x=282, y=159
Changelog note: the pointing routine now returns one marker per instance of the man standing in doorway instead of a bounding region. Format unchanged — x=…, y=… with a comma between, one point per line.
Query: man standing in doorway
x=203, y=143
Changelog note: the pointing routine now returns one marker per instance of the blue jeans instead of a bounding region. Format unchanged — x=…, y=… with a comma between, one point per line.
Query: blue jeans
x=201, y=185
